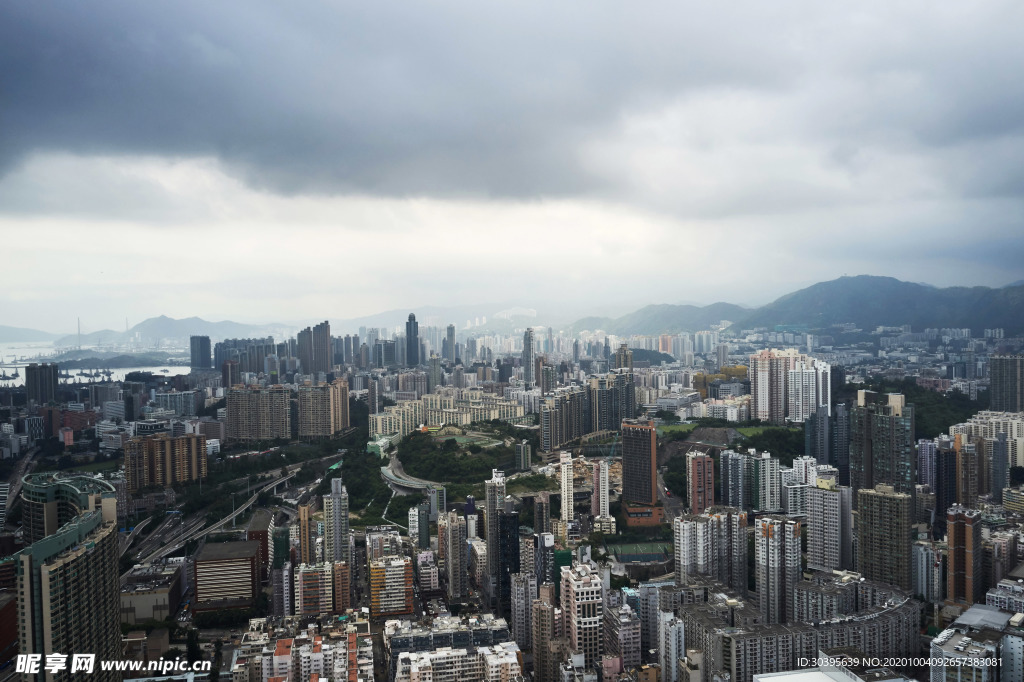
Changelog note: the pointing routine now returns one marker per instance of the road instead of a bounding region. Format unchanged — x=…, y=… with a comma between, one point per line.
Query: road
x=674, y=506
x=202, y=531
x=129, y=538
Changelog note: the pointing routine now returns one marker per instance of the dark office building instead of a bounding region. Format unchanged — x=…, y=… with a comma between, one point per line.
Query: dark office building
x=508, y=555
x=882, y=446
x=412, y=341
x=201, y=357
x=1007, y=382
x=839, y=442
x=41, y=382
x=639, y=461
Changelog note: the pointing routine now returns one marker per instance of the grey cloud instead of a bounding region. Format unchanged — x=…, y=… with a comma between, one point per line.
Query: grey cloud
x=451, y=99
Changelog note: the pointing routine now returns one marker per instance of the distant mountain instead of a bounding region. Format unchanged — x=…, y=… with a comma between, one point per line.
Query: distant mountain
x=664, y=318
x=1019, y=282
x=19, y=334
x=864, y=300
x=163, y=327
x=869, y=302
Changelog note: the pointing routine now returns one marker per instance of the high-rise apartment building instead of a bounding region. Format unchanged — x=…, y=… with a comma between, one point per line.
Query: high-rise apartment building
x=694, y=543
x=882, y=443
x=600, y=507
x=622, y=635
x=391, y=587
x=456, y=555
x=808, y=387
x=639, y=462
x=307, y=532
x=777, y=564
x=768, y=371
x=524, y=592
x=412, y=341
x=712, y=544
x=965, y=557
x=829, y=526
x=67, y=579
x=199, y=347
x=41, y=383
x=163, y=460
x=700, y=481
x=884, y=522
x=566, y=488
x=323, y=409
x=258, y=413
x=1007, y=383
x=523, y=455
x=336, y=544
x=583, y=611
x=529, y=359
x=623, y=358
x=546, y=622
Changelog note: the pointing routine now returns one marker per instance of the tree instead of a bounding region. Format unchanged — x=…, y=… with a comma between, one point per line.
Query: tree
x=192, y=651
x=667, y=417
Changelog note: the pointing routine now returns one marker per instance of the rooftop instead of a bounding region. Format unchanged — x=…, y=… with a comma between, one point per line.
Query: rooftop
x=218, y=551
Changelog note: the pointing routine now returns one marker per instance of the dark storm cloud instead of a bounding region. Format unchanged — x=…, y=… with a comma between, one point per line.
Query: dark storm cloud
x=423, y=97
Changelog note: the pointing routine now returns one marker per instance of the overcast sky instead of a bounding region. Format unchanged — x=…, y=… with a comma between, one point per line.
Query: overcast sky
x=262, y=161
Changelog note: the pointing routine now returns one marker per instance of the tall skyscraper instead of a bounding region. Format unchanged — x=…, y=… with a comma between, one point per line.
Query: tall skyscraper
x=200, y=352
x=307, y=530
x=566, y=489
x=322, y=354
x=67, y=579
x=41, y=382
x=965, y=558
x=494, y=491
x=456, y=558
x=882, y=443
x=777, y=563
x=639, y=462
x=884, y=522
x=529, y=359
x=583, y=611
x=700, y=481
x=829, y=526
x=508, y=554
x=336, y=523
x=451, y=343
x=546, y=624
x=599, y=505
x=412, y=341
x=314, y=349
x=927, y=463
x=1007, y=383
